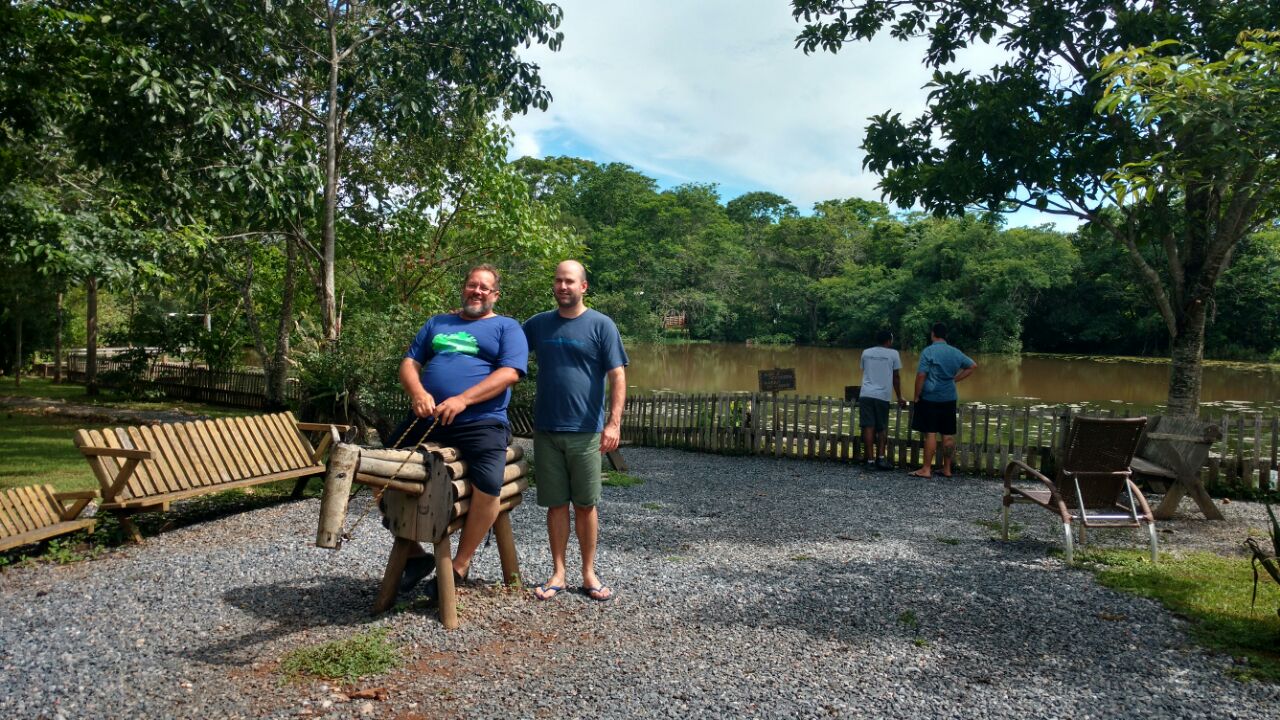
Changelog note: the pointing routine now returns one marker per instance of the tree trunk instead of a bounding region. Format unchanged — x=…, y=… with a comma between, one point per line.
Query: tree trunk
x=91, y=338
x=1187, y=366
x=17, y=357
x=328, y=293
x=57, y=342
x=277, y=367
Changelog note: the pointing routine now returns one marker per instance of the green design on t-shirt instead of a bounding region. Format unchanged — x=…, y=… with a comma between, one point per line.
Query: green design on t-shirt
x=459, y=342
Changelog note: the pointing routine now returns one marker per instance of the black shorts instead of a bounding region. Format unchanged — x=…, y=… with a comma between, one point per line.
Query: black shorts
x=483, y=445
x=873, y=413
x=934, y=417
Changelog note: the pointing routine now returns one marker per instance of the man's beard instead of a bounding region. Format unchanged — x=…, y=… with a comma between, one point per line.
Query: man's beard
x=568, y=300
x=470, y=310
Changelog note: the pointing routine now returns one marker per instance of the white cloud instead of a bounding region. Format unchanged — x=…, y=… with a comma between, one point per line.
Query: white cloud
x=715, y=91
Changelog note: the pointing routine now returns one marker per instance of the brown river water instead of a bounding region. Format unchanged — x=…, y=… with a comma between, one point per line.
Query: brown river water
x=1096, y=381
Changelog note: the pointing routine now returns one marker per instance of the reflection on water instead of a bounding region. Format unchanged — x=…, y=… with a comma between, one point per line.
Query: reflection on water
x=1003, y=379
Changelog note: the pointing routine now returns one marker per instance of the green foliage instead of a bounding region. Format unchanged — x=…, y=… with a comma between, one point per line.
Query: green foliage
x=1209, y=590
x=362, y=655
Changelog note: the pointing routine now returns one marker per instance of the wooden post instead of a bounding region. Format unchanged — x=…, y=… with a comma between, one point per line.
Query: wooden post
x=448, y=598
x=507, y=548
x=344, y=461
x=400, y=550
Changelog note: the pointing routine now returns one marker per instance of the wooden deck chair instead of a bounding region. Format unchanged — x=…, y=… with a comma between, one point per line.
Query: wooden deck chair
x=1093, y=485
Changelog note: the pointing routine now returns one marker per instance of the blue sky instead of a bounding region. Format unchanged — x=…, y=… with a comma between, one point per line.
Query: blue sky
x=715, y=91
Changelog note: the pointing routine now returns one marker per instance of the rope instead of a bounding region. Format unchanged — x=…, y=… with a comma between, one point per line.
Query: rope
x=377, y=496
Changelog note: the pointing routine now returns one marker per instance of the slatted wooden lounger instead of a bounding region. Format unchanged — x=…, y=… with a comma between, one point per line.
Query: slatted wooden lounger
x=144, y=468
x=33, y=513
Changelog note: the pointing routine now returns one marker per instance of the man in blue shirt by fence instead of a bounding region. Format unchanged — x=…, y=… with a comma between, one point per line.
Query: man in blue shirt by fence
x=941, y=367
x=577, y=349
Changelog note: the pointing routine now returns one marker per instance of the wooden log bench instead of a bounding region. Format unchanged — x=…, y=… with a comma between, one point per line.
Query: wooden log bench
x=425, y=500
x=1169, y=457
x=33, y=513
x=143, y=468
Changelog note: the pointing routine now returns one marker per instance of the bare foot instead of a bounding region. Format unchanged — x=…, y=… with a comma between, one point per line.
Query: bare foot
x=921, y=473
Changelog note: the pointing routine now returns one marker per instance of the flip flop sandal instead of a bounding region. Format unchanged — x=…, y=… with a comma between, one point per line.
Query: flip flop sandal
x=541, y=591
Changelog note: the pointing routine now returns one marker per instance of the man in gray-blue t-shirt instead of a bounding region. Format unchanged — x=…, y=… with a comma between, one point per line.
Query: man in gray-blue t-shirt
x=941, y=367
x=577, y=349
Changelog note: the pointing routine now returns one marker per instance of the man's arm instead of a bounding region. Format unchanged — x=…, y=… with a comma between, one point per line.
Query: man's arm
x=612, y=434
x=494, y=384
x=897, y=388
x=966, y=372
x=411, y=380
x=919, y=385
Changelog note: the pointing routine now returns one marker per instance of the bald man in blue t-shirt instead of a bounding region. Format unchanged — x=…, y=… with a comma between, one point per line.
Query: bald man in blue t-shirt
x=577, y=349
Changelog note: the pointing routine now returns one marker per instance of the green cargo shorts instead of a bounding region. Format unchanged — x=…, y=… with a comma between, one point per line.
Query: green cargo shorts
x=566, y=466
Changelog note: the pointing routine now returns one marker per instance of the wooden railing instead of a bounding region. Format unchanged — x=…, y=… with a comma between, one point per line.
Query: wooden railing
x=817, y=428
x=820, y=428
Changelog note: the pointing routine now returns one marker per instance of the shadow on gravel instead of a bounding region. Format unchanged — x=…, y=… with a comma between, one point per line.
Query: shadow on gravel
x=972, y=616
x=288, y=608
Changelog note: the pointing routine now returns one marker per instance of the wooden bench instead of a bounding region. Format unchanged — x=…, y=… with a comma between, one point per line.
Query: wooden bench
x=144, y=468
x=33, y=513
x=425, y=499
x=1169, y=457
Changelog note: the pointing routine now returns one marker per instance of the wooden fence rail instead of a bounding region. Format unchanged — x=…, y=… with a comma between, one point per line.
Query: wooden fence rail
x=987, y=438
x=243, y=387
x=792, y=426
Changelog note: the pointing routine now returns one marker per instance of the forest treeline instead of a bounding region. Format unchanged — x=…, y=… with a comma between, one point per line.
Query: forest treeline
x=756, y=269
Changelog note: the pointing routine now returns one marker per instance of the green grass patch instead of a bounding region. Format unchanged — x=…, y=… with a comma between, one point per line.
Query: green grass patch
x=367, y=653
x=652, y=506
x=948, y=540
x=908, y=619
x=38, y=450
x=614, y=478
x=802, y=558
x=1213, y=593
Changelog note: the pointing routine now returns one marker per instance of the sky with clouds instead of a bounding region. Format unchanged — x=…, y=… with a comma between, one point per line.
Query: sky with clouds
x=715, y=91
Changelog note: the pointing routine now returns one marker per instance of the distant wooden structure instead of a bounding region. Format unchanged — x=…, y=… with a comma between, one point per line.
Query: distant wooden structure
x=672, y=320
x=1169, y=457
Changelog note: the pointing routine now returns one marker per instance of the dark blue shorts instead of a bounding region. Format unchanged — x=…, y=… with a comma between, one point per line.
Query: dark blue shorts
x=934, y=417
x=483, y=446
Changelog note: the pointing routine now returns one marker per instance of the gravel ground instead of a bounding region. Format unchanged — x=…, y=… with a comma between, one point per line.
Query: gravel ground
x=745, y=586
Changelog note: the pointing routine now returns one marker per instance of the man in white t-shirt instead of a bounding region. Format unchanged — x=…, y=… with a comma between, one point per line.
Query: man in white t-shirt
x=880, y=366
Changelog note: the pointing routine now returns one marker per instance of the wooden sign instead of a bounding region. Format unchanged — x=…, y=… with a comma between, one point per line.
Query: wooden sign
x=777, y=379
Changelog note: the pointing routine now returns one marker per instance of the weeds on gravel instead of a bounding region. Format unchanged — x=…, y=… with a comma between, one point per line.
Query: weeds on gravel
x=652, y=506
x=948, y=540
x=908, y=619
x=1213, y=593
x=367, y=653
x=1015, y=528
x=613, y=478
